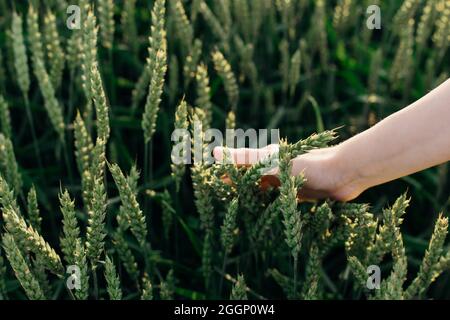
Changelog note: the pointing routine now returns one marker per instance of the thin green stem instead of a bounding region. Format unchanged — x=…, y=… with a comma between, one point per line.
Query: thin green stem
x=33, y=132
x=224, y=264
x=295, y=273
x=95, y=280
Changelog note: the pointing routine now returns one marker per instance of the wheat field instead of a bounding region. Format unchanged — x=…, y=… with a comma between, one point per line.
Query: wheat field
x=93, y=207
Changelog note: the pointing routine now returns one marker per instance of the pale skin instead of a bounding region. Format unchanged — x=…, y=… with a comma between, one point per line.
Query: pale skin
x=411, y=140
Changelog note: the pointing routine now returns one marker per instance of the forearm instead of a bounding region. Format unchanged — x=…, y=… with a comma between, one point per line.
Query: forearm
x=413, y=139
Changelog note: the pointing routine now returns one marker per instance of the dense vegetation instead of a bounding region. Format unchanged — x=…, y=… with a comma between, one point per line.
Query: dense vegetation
x=83, y=111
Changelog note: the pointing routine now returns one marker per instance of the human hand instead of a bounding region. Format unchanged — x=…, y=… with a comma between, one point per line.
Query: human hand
x=326, y=176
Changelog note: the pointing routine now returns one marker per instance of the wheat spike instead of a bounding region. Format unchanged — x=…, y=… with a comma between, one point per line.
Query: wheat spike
x=229, y=226
x=191, y=62
x=147, y=288
x=182, y=123
x=71, y=231
x=239, y=291
x=32, y=240
x=96, y=230
x=21, y=269
x=79, y=258
x=101, y=105
x=8, y=164
x=184, y=28
x=34, y=215
x=128, y=21
x=157, y=67
x=226, y=73
x=203, y=100
x=5, y=118
x=134, y=215
x=34, y=35
x=112, y=280
x=20, y=54
x=55, y=53
x=106, y=19
x=125, y=255
x=427, y=273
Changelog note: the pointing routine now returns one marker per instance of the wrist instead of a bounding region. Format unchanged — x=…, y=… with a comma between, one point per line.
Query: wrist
x=349, y=180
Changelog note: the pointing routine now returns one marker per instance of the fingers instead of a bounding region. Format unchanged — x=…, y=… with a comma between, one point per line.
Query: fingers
x=308, y=195
x=243, y=156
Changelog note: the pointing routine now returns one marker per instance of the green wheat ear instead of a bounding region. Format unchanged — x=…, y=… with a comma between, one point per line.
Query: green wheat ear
x=191, y=62
x=8, y=165
x=34, y=215
x=21, y=269
x=133, y=214
x=112, y=280
x=101, y=104
x=223, y=68
x=157, y=66
x=229, y=226
x=55, y=53
x=5, y=118
x=96, y=230
x=147, y=288
x=311, y=285
x=184, y=29
x=125, y=255
x=182, y=123
x=71, y=231
x=167, y=287
x=20, y=54
x=31, y=240
x=128, y=21
x=154, y=96
x=106, y=18
x=429, y=269
x=203, y=100
x=80, y=260
x=239, y=291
